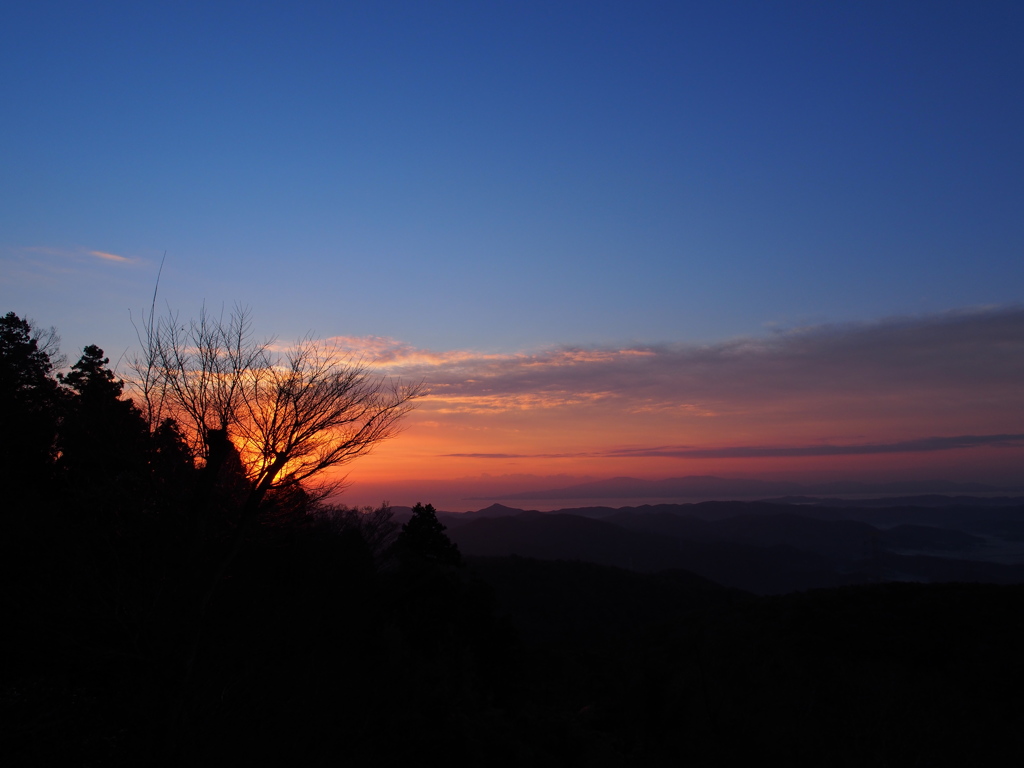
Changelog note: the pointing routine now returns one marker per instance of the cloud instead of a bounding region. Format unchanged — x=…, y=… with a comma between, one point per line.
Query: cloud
x=503, y=403
x=940, y=388
x=398, y=356
x=75, y=255
x=111, y=257
x=515, y=455
x=927, y=444
x=939, y=393
x=978, y=353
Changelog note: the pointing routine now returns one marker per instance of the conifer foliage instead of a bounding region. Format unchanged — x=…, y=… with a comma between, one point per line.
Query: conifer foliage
x=31, y=404
x=423, y=539
x=103, y=436
x=173, y=583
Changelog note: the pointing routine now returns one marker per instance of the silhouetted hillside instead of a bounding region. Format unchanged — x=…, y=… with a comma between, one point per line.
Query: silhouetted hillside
x=763, y=570
x=582, y=603
x=707, y=486
x=631, y=669
x=763, y=547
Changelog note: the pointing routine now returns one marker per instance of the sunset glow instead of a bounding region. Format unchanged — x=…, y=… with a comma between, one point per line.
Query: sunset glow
x=650, y=240
x=548, y=382
x=880, y=400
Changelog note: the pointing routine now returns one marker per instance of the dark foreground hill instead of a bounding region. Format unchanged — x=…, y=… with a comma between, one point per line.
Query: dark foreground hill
x=325, y=646
x=891, y=674
x=581, y=604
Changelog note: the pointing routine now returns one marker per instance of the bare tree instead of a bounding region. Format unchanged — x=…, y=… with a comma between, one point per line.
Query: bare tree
x=290, y=413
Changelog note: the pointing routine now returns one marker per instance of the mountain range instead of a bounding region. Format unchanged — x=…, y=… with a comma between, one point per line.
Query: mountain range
x=708, y=486
x=768, y=547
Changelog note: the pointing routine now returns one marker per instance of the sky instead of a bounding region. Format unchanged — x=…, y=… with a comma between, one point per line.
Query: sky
x=649, y=239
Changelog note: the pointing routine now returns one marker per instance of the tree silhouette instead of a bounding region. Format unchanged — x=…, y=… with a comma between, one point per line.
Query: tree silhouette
x=171, y=462
x=264, y=425
x=290, y=414
x=423, y=539
x=90, y=377
x=103, y=436
x=31, y=402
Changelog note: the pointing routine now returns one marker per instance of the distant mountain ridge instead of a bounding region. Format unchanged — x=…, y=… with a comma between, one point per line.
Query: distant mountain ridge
x=768, y=547
x=709, y=486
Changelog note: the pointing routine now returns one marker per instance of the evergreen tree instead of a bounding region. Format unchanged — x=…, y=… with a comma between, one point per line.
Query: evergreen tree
x=90, y=377
x=103, y=437
x=171, y=463
x=423, y=539
x=30, y=406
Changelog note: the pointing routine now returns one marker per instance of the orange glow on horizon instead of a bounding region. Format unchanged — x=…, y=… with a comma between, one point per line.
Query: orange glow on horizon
x=934, y=398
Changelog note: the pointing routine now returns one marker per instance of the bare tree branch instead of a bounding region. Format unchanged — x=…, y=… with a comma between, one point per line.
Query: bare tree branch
x=291, y=415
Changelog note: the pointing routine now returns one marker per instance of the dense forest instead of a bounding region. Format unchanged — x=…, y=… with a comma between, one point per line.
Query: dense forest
x=161, y=611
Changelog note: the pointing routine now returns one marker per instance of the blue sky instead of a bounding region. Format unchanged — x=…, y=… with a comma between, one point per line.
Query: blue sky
x=512, y=177
x=504, y=175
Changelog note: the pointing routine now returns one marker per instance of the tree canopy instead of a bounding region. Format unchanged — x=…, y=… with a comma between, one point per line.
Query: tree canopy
x=423, y=539
x=102, y=435
x=291, y=414
x=30, y=402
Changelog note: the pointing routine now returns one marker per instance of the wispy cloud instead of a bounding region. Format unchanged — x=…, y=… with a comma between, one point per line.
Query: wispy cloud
x=927, y=444
x=941, y=394
x=517, y=455
x=79, y=255
x=111, y=257
x=944, y=386
x=507, y=402
x=965, y=355
x=938, y=389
